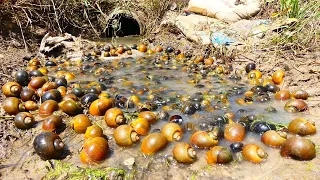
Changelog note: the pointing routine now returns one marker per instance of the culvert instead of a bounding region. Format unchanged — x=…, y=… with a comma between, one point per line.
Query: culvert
x=123, y=23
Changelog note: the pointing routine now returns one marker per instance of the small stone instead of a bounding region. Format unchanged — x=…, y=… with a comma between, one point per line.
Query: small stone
x=129, y=162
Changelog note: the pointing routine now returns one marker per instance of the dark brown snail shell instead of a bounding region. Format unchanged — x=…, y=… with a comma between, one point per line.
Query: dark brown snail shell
x=253, y=153
x=282, y=95
x=52, y=94
x=141, y=126
x=48, y=86
x=184, y=153
x=250, y=67
x=13, y=105
x=172, y=131
x=28, y=95
x=100, y=106
x=295, y=105
x=47, y=108
x=219, y=155
x=125, y=135
x=94, y=150
x=300, y=94
x=80, y=123
x=52, y=123
x=48, y=145
x=71, y=107
x=70, y=97
x=302, y=127
x=22, y=77
x=31, y=105
x=274, y=138
x=234, y=132
x=202, y=139
x=24, y=120
x=149, y=116
x=298, y=148
x=11, y=89
x=114, y=117
x=93, y=131
x=36, y=83
x=153, y=143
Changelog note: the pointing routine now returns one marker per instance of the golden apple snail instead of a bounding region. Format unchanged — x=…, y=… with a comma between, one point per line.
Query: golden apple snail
x=172, y=131
x=11, y=89
x=153, y=143
x=100, y=106
x=277, y=77
x=48, y=145
x=302, y=127
x=184, y=153
x=219, y=155
x=48, y=107
x=202, y=139
x=80, y=123
x=295, y=105
x=298, y=148
x=94, y=150
x=24, y=120
x=13, y=105
x=254, y=153
x=52, y=123
x=125, y=135
x=93, y=131
x=141, y=126
x=274, y=138
x=114, y=117
x=234, y=132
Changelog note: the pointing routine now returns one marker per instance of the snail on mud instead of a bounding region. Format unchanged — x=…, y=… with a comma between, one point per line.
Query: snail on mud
x=114, y=117
x=298, y=148
x=70, y=97
x=78, y=92
x=70, y=107
x=234, y=132
x=282, y=95
x=250, y=67
x=149, y=116
x=158, y=49
x=254, y=153
x=302, y=127
x=277, y=77
x=93, y=131
x=295, y=105
x=28, y=95
x=13, y=105
x=87, y=99
x=219, y=155
x=236, y=147
x=48, y=86
x=184, y=153
x=35, y=73
x=24, y=120
x=22, y=77
x=202, y=139
x=48, y=145
x=94, y=151
x=31, y=105
x=100, y=106
x=52, y=123
x=274, y=138
x=80, y=123
x=62, y=90
x=141, y=126
x=11, y=89
x=36, y=83
x=52, y=94
x=272, y=88
x=172, y=131
x=176, y=119
x=48, y=107
x=300, y=94
x=153, y=143
x=125, y=135
x=254, y=74
x=142, y=48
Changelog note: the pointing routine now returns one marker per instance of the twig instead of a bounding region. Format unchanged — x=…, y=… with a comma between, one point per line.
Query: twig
x=95, y=31
x=5, y=75
x=56, y=16
x=24, y=40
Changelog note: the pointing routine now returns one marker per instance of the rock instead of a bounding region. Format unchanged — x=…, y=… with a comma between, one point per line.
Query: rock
x=129, y=162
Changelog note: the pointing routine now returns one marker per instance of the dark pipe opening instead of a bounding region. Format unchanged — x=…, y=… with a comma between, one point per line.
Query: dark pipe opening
x=122, y=25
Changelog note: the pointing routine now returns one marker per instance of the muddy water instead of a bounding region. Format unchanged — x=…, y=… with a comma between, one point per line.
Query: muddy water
x=142, y=73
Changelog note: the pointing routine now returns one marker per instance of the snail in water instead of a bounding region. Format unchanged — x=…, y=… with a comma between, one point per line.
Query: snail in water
x=125, y=135
x=277, y=77
x=93, y=131
x=149, y=116
x=295, y=105
x=302, y=127
x=254, y=153
x=80, y=123
x=11, y=89
x=153, y=143
x=184, y=153
x=114, y=117
x=48, y=107
x=100, y=106
x=13, y=105
x=202, y=139
x=298, y=148
x=274, y=138
x=219, y=155
x=94, y=150
x=24, y=120
x=48, y=145
x=234, y=132
x=141, y=126
x=282, y=95
x=300, y=94
x=52, y=123
x=172, y=131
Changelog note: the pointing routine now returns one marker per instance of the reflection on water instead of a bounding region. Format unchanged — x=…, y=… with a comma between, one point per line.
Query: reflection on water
x=120, y=40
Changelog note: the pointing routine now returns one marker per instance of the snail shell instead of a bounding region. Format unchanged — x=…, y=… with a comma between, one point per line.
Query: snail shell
x=282, y=95
x=70, y=107
x=277, y=77
x=298, y=148
x=153, y=143
x=149, y=116
x=22, y=77
x=125, y=135
x=52, y=94
x=295, y=105
x=28, y=95
x=51, y=123
x=80, y=123
x=250, y=67
x=219, y=155
x=254, y=153
x=184, y=153
x=300, y=94
x=31, y=105
x=62, y=90
x=11, y=89
x=70, y=97
x=141, y=126
x=302, y=127
x=24, y=120
x=36, y=83
x=100, y=106
x=93, y=131
x=94, y=150
x=114, y=117
x=254, y=74
x=234, y=132
x=47, y=108
x=13, y=105
x=172, y=131
x=202, y=139
x=274, y=138
x=48, y=145
x=48, y=86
